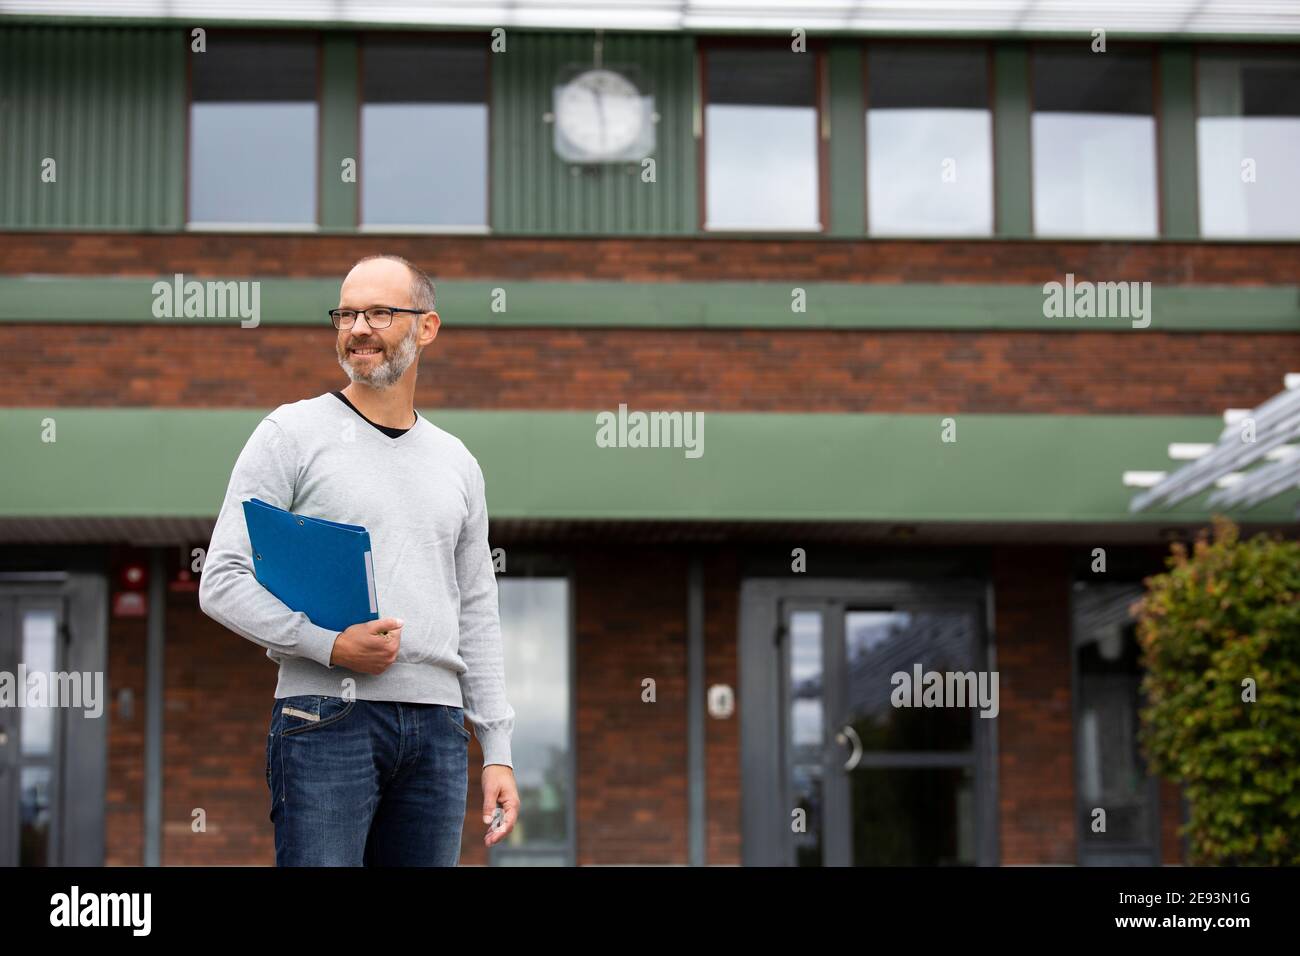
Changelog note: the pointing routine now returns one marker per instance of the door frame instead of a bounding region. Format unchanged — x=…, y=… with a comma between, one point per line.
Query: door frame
x=766, y=837
x=14, y=604
x=523, y=567
x=77, y=827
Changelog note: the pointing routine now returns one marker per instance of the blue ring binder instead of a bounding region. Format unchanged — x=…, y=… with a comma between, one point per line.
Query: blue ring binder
x=325, y=569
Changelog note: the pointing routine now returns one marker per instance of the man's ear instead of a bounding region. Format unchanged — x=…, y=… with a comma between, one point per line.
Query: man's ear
x=435, y=324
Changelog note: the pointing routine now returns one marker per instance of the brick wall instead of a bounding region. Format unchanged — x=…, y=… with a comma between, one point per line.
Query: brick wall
x=777, y=370
x=650, y=260
x=1035, y=723
x=631, y=761
x=827, y=370
x=124, y=790
x=821, y=370
x=220, y=690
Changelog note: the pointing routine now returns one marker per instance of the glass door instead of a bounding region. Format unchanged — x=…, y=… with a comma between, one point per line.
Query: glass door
x=804, y=728
x=30, y=646
x=884, y=773
x=1111, y=771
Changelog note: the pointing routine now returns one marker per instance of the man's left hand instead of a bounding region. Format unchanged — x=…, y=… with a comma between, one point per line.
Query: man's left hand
x=499, y=789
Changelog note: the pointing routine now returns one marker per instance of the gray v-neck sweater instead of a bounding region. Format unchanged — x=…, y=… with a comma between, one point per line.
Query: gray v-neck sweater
x=421, y=495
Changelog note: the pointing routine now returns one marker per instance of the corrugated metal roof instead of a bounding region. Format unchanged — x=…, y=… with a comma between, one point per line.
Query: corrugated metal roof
x=534, y=191
x=104, y=111
x=1221, y=18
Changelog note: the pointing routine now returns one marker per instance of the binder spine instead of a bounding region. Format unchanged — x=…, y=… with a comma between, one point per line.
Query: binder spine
x=370, y=583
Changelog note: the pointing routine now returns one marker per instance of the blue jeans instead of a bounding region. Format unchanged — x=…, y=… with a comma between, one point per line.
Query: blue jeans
x=366, y=782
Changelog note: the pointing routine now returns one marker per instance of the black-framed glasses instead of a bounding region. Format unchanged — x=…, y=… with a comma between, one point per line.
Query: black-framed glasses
x=378, y=317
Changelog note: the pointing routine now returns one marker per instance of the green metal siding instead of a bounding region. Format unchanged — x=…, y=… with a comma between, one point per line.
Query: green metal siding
x=108, y=106
x=1178, y=183
x=848, y=145
x=534, y=191
x=340, y=137
x=546, y=464
x=1012, y=169
x=734, y=304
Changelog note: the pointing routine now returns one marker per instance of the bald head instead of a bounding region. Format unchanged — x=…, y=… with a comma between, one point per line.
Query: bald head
x=387, y=280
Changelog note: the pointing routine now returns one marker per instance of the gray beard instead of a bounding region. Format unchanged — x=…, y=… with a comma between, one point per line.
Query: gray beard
x=387, y=372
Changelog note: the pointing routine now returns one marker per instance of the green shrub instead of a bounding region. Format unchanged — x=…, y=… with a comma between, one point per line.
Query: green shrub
x=1211, y=624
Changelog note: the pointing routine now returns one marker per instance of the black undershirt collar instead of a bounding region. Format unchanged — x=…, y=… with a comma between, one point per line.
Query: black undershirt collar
x=390, y=432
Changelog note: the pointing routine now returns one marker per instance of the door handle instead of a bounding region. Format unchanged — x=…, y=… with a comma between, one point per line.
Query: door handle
x=848, y=735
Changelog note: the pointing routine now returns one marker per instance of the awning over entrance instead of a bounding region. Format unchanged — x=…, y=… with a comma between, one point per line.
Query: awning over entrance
x=79, y=464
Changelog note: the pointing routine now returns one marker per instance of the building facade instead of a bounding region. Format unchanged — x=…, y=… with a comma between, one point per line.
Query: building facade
x=894, y=446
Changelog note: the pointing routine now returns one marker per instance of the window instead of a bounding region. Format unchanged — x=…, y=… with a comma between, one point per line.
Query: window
x=1111, y=772
x=807, y=733
x=1094, y=144
x=253, y=131
x=424, y=133
x=929, y=141
x=538, y=656
x=913, y=795
x=1248, y=145
x=761, y=139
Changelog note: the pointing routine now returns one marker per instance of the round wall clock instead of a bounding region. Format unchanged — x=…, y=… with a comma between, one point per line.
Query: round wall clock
x=600, y=116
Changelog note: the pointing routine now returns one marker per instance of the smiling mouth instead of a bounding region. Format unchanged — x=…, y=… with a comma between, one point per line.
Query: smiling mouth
x=366, y=351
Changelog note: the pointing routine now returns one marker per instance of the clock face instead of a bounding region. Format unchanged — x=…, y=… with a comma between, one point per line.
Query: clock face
x=600, y=113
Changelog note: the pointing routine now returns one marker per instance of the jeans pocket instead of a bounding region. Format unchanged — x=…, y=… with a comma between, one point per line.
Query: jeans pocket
x=308, y=712
x=457, y=717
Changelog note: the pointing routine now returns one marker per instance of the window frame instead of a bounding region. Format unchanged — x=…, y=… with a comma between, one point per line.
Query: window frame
x=818, y=48
x=988, y=49
x=316, y=37
x=1239, y=51
x=432, y=37
x=1152, y=50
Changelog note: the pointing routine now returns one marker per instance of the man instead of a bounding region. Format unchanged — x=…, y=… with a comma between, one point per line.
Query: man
x=366, y=757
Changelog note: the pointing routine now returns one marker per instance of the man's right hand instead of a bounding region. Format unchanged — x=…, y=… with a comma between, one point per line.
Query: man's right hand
x=364, y=647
